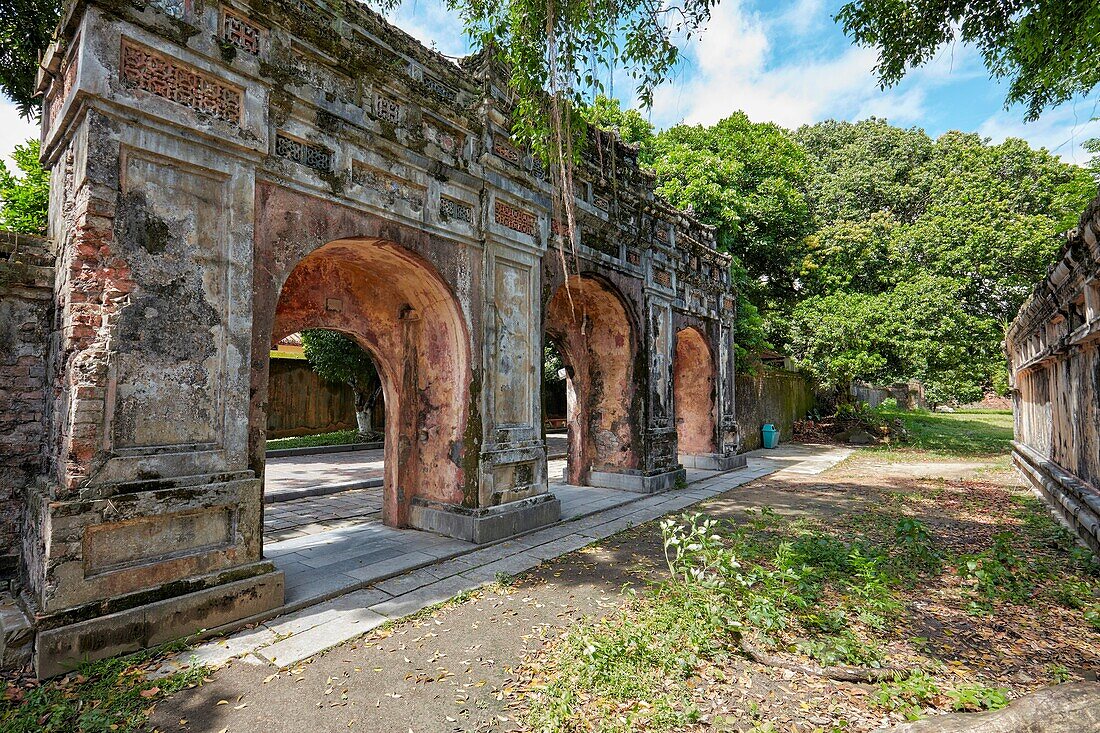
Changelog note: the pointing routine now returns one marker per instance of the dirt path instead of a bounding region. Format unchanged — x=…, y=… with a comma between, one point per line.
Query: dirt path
x=449, y=670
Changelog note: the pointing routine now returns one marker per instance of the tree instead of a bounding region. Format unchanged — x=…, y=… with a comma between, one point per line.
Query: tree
x=607, y=113
x=26, y=27
x=914, y=237
x=1047, y=49
x=749, y=181
x=25, y=199
x=917, y=330
x=339, y=358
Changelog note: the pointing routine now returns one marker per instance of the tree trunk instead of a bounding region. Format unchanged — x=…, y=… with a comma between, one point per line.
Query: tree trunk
x=372, y=403
x=363, y=406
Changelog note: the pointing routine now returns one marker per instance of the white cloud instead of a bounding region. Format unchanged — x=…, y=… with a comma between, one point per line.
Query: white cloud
x=802, y=16
x=13, y=131
x=1062, y=130
x=794, y=68
x=433, y=24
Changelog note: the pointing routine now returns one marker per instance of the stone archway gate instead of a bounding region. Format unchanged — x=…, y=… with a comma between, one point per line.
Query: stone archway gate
x=201, y=150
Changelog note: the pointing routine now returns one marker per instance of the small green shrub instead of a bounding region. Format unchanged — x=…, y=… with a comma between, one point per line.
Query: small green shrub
x=909, y=696
x=977, y=696
x=999, y=573
x=842, y=648
x=917, y=547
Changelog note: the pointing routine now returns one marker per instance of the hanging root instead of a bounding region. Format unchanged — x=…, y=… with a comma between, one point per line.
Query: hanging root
x=841, y=673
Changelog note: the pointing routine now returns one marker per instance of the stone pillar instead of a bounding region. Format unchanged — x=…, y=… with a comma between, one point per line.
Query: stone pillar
x=660, y=463
x=513, y=494
x=149, y=525
x=729, y=431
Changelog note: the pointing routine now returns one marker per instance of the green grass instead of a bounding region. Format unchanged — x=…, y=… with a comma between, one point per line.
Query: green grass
x=110, y=696
x=972, y=434
x=339, y=437
x=835, y=594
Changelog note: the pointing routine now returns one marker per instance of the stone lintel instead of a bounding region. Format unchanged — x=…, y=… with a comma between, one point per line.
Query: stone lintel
x=61, y=649
x=485, y=525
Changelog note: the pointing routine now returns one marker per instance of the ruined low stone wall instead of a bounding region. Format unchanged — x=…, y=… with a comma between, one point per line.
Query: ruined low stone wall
x=1054, y=357
x=771, y=396
x=26, y=297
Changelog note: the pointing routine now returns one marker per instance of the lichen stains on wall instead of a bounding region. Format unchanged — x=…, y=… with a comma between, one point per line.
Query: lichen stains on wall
x=589, y=323
x=693, y=388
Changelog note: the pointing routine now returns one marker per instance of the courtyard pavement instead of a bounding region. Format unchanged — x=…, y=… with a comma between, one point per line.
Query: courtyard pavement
x=345, y=581
x=289, y=478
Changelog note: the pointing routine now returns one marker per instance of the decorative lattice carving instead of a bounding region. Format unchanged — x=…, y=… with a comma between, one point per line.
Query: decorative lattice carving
x=387, y=110
x=393, y=189
x=513, y=218
x=450, y=209
x=633, y=256
x=601, y=202
x=661, y=232
x=662, y=278
x=505, y=150
x=241, y=32
x=310, y=155
x=168, y=78
x=729, y=304
x=439, y=89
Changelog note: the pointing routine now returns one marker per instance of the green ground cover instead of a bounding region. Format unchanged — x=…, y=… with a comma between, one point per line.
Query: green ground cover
x=964, y=434
x=110, y=696
x=338, y=437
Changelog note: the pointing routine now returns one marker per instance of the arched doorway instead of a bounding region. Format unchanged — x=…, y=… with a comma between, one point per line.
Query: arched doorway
x=397, y=308
x=588, y=323
x=693, y=387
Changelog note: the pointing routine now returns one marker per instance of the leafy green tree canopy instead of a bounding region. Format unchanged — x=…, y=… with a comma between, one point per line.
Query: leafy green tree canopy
x=1047, y=49
x=337, y=357
x=26, y=27
x=24, y=199
x=748, y=180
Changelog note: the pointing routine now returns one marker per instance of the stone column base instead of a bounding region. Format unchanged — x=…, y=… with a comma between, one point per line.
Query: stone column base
x=60, y=648
x=1074, y=501
x=713, y=461
x=637, y=481
x=16, y=634
x=485, y=525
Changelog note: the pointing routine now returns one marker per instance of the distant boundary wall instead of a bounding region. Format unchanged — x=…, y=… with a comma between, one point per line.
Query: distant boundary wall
x=772, y=396
x=1053, y=348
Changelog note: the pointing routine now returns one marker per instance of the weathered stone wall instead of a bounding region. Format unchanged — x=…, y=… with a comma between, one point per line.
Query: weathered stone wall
x=771, y=396
x=1053, y=348
x=26, y=308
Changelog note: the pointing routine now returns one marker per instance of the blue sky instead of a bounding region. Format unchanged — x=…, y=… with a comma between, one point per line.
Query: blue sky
x=788, y=62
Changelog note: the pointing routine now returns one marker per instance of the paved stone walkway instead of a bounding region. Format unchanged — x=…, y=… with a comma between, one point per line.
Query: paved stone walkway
x=398, y=572
x=290, y=478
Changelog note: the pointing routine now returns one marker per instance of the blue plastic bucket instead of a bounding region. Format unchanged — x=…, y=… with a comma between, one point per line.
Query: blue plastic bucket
x=770, y=435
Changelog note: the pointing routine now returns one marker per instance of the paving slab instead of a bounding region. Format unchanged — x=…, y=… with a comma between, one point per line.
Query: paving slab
x=316, y=639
